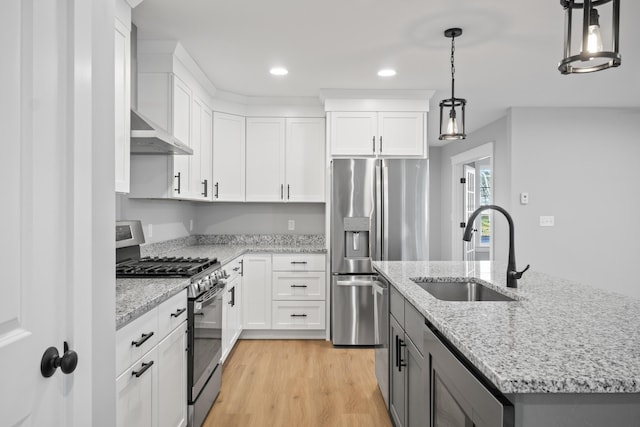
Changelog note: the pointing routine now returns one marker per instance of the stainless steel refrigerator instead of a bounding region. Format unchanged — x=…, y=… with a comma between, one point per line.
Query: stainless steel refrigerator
x=378, y=212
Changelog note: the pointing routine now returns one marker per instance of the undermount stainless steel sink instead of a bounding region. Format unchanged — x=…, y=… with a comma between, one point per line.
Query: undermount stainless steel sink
x=460, y=290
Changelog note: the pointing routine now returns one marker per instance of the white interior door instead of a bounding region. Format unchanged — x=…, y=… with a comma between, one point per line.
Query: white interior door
x=469, y=208
x=49, y=213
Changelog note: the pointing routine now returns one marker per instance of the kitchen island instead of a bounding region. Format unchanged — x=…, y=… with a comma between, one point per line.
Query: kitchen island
x=562, y=353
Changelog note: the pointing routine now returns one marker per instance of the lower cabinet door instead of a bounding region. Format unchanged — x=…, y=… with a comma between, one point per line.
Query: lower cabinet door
x=416, y=393
x=397, y=373
x=256, y=294
x=136, y=393
x=172, y=379
x=298, y=314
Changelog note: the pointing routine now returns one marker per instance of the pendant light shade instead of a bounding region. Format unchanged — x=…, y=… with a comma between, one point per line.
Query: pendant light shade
x=452, y=110
x=587, y=34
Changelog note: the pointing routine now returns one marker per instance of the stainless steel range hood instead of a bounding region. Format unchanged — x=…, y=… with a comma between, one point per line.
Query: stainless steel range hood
x=148, y=138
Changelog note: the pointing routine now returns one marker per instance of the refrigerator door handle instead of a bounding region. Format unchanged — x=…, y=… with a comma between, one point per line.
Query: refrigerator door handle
x=385, y=213
x=377, y=255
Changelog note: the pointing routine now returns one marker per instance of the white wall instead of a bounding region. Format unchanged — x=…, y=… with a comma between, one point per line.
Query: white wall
x=435, y=195
x=580, y=165
x=259, y=218
x=170, y=219
x=496, y=132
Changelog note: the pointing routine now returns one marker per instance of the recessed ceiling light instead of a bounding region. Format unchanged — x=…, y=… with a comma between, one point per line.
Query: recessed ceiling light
x=279, y=71
x=387, y=72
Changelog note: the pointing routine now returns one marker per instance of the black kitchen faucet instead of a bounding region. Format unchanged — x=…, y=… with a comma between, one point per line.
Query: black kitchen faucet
x=512, y=274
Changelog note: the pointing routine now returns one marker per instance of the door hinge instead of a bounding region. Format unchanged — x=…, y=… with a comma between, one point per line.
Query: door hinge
x=463, y=225
x=463, y=180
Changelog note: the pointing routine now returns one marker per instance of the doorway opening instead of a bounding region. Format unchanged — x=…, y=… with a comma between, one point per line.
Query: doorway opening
x=472, y=187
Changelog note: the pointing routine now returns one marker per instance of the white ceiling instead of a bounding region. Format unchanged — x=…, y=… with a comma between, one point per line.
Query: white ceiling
x=507, y=56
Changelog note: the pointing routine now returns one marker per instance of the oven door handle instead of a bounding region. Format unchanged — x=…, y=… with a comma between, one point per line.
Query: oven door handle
x=209, y=300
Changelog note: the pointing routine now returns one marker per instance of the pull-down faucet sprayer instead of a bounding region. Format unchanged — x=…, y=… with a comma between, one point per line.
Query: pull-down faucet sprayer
x=512, y=274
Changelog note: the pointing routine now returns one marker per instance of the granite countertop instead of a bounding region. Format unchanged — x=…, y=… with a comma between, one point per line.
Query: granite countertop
x=134, y=297
x=558, y=337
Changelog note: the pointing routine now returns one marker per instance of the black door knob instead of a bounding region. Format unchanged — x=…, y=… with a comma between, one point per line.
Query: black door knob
x=51, y=361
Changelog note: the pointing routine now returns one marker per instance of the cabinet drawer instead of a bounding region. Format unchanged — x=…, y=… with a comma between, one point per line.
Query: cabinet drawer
x=135, y=339
x=298, y=315
x=172, y=312
x=414, y=326
x=397, y=305
x=304, y=285
x=298, y=262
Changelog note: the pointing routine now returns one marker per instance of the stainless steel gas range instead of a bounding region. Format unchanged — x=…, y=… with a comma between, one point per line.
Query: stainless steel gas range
x=207, y=284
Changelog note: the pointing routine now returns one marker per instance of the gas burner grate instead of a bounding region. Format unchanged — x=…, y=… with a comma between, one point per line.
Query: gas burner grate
x=164, y=267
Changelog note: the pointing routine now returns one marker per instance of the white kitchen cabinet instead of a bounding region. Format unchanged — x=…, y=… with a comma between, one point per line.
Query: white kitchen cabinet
x=298, y=314
x=181, y=129
x=172, y=379
x=136, y=393
x=232, y=307
x=228, y=157
x=285, y=160
x=151, y=367
x=256, y=292
x=201, y=144
x=122, y=101
x=378, y=134
x=265, y=159
x=304, y=159
x=353, y=133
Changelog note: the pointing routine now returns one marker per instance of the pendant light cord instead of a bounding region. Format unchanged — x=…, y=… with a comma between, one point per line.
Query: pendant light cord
x=453, y=66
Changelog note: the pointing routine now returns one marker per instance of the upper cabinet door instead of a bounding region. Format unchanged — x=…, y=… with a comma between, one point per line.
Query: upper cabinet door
x=354, y=133
x=228, y=157
x=181, y=129
x=122, y=105
x=265, y=160
x=305, y=160
x=401, y=134
x=206, y=147
x=200, y=160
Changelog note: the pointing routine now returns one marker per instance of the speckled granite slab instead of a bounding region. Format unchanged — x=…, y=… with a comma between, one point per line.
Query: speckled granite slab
x=262, y=239
x=559, y=337
x=134, y=297
x=161, y=248
x=226, y=253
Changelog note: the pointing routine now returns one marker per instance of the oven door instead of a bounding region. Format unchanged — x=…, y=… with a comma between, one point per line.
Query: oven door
x=205, y=340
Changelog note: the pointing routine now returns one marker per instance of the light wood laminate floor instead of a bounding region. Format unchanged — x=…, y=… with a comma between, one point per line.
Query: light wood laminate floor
x=298, y=383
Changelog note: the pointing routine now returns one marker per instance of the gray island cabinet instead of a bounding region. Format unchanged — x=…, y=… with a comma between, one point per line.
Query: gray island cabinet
x=561, y=354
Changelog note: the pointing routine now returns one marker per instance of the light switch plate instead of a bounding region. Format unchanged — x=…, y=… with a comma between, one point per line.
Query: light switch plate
x=547, y=221
x=291, y=225
x=524, y=198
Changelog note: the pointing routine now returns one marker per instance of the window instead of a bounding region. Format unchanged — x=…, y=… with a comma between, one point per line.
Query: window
x=485, y=199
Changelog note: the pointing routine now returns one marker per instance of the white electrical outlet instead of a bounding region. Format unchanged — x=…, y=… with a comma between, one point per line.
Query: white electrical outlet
x=547, y=221
x=524, y=198
x=291, y=225
x=190, y=225
x=150, y=230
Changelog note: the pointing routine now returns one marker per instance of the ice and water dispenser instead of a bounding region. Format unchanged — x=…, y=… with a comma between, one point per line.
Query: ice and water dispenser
x=356, y=236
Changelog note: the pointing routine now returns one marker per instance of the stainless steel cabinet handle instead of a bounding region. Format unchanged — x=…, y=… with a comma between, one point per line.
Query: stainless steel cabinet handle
x=288, y=191
x=206, y=184
x=373, y=140
x=298, y=262
x=298, y=286
x=177, y=190
x=299, y=315
x=241, y=267
x=217, y=187
x=281, y=191
x=380, y=144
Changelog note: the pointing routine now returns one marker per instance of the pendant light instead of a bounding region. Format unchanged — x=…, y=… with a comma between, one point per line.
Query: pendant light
x=452, y=109
x=592, y=56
